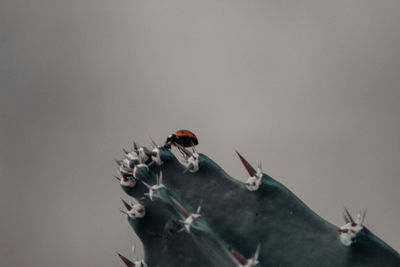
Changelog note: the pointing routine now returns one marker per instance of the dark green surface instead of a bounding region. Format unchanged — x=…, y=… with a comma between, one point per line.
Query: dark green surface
x=289, y=232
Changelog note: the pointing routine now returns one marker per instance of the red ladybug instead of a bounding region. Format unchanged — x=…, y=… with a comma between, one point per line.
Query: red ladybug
x=184, y=138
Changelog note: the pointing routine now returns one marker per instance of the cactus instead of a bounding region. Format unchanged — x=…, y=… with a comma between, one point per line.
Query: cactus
x=190, y=212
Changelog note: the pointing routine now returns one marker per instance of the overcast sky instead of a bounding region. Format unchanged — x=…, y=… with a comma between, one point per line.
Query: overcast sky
x=309, y=88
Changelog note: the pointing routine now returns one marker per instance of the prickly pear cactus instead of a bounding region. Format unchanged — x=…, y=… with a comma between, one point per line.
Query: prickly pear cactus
x=189, y=212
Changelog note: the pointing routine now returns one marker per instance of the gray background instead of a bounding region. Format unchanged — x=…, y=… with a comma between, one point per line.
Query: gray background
x=310, y=88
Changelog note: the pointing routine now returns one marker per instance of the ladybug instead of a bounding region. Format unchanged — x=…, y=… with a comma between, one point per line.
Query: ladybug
x=184, y=138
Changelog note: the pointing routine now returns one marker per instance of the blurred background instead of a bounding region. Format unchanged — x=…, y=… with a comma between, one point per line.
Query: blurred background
x=309, y=88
